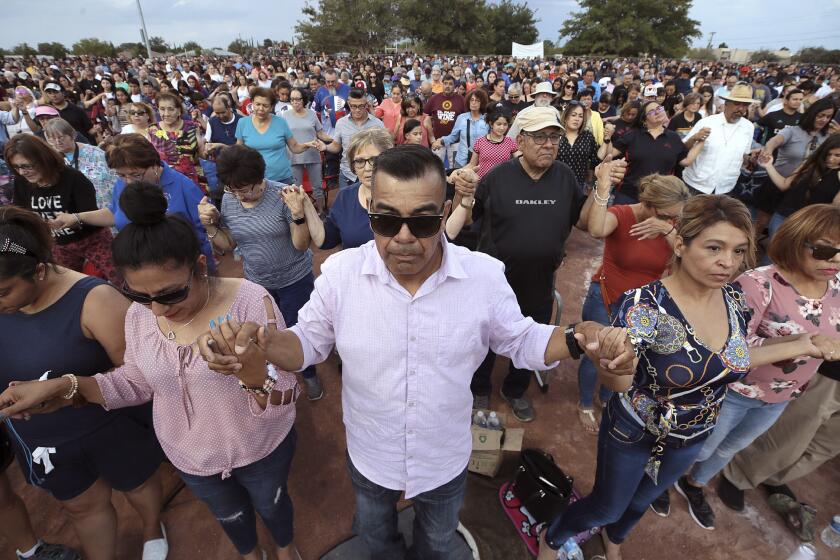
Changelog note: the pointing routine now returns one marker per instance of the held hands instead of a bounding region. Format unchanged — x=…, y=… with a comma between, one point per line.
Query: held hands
x=294, y=197
x=62, y=220
x=437, y=144
x=824, y=347
x=609, y=129
x=208, y=214
x=465, y=181
x=702, y=134
x=24, y=398
x=608, y=346
x=611, y=171
x=231, y=348
x=651, y=228
x=765, y=160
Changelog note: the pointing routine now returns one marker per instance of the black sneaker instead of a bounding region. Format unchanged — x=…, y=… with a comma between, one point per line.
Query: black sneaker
x=731, y=496
x=661, y=506
x=522, y=409
x=49, y=551
x=781, y=489
x=698, y=507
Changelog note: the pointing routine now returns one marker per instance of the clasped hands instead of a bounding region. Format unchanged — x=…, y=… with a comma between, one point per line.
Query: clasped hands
x=608, y=347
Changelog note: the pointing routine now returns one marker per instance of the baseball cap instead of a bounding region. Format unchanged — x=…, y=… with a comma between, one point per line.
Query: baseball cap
x=46, y=111
x=538, y=118
x=52, y=86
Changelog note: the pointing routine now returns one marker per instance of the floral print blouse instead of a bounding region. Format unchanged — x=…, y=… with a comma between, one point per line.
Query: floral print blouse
x=178, y=148
x=93, y=165
x=680, y=382
x=777, y=309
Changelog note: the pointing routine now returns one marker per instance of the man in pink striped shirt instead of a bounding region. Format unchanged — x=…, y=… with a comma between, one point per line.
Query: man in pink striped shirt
x=412, y=317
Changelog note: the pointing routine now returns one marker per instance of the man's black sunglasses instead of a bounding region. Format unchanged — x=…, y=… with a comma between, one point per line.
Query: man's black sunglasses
x=823, y=252
x=168, y=298
x=389, y=225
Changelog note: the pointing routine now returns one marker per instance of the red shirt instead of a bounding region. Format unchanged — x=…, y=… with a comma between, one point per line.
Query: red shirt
x=444, y=109
x=629, y=263
x=491, y=154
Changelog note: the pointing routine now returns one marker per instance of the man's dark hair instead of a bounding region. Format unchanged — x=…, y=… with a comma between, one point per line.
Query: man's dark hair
x=408, y=162
x=239, y=165
x=357, y=93
x=448, y=78
x=586, y=92
x=589, y=70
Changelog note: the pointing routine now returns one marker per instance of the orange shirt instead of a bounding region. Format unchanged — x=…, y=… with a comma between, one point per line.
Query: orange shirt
x=629, y=263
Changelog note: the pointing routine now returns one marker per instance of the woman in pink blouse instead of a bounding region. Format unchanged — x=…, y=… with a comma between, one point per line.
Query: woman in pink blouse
x=799, y=293
x=231, y=437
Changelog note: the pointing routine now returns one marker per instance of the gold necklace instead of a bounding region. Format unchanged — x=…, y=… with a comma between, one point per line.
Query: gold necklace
x=171, y=333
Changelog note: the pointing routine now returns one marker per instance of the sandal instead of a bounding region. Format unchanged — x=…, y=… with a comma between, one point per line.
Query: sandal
x=798, y=517
x=587, y=418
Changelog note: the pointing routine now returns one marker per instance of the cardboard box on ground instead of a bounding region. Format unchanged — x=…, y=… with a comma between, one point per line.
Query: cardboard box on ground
x=488, y=446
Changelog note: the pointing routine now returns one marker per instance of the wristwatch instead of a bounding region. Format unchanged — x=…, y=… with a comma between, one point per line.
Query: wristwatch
x=299, y=221
x=267, y=386
x=572, y=343
x=468, y=205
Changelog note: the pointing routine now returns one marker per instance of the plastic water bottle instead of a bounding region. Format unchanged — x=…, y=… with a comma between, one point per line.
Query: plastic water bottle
x=479, y=419
x=831, y=534
x=570, y=551
x=493, y=421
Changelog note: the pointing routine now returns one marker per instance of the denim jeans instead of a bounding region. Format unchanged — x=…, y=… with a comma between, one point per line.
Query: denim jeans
x=313, y=170
x=593, y=310
x=344, y=181
x=435, y=518
x=622, y=491
x=290, y=299
x=740, y=420
x=261, y=486
x=775, y=223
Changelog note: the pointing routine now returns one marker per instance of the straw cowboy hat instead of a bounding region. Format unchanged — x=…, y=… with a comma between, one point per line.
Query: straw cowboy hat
x=741, y=93
x=543, y=87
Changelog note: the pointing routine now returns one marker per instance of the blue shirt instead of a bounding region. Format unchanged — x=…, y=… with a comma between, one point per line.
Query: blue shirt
x=478, y=128
x=271, y=144
x=595, y=85
x=347, y=223
x=183, y=197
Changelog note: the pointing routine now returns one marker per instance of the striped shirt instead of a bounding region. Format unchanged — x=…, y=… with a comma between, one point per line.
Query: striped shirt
x=264, y=237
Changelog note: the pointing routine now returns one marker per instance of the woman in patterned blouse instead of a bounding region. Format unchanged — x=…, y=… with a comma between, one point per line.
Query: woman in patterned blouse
x=178, y=142
x=690, y=334
x=799, y=293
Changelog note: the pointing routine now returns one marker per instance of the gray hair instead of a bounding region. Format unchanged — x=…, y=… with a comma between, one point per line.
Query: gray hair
x=376, y=137
x=425, y=83
x=515, y=89
x=59, y=127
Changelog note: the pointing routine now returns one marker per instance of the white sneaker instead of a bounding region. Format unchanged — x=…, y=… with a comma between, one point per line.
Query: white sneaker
x=156, y=549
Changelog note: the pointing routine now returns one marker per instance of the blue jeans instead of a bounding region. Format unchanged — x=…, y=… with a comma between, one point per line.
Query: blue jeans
x=344, y=181
x=622, y=491
x=593, y=310
x=313, y=170
x=740, y=420
x=775, y=223
x=290, y=299
x=261, y=486
x=435, y=521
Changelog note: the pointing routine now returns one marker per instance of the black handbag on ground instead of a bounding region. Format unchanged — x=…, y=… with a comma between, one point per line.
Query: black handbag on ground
x=541, y=486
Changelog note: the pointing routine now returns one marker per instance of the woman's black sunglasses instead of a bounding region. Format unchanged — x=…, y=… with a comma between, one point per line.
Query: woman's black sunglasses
x=823, y=252
x=168, y=298
x=389, y=225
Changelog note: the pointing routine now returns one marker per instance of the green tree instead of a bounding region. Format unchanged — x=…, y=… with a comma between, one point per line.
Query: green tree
x=818, y=55
x=190, y=46
x=701, y=54
x=159, y=44
x=452, y=26
x=509, y=22
x=630, y=27
x=268, y=43
x=723, y=46
x=764, y=55
x=239, y=46
x=95, y=47
x=340, y=25
x=55, y=50
x=24, y=49
x=136, y=49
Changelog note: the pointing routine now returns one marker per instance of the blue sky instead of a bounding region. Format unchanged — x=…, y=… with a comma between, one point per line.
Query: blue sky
x=750, y=24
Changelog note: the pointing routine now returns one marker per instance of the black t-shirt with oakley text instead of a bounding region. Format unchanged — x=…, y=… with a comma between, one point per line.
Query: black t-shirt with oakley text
x=525, y=223
x=773, y=123
x=72, y=193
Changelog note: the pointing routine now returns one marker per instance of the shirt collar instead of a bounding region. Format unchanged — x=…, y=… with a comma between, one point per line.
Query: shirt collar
x=450, y=265
x=167, y=176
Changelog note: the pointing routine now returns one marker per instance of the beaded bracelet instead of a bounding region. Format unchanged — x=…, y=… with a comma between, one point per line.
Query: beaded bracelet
x=74, y=386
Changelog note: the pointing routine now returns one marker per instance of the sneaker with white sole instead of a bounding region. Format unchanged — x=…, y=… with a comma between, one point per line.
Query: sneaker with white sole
x=661, y=506
x=698, y=507
x=48, y=551
x=156, y=549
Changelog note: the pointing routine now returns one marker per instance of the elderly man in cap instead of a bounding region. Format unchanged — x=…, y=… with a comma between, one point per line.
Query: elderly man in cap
x=73, y=114
x=542, y=94
x=728, y=141
x=527, y=208
x=412, y=316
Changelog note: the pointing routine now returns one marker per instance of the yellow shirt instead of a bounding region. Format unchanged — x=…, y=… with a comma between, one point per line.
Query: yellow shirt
x=596, y=126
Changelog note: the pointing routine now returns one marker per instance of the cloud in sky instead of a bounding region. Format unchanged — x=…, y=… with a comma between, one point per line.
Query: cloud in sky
x=747, y=24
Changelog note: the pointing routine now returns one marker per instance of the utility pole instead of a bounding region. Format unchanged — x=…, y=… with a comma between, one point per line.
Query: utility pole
x=143, y=31
x=711, y=38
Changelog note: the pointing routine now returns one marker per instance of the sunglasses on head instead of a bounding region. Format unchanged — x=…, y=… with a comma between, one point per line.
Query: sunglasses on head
x=168, y=298
x=823, y=252
x=389, y=225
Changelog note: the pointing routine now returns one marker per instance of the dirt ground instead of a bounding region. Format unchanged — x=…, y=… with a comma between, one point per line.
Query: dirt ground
x=323, y=501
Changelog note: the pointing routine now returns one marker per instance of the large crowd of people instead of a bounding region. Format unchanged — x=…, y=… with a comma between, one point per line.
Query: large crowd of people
x=450, y=186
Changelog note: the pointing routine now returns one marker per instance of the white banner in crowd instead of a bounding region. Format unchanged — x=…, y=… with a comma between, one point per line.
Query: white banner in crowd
x=527, y=51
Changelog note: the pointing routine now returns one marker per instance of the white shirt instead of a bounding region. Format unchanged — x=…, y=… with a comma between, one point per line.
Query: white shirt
x=408, y=360
x=717, y=167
